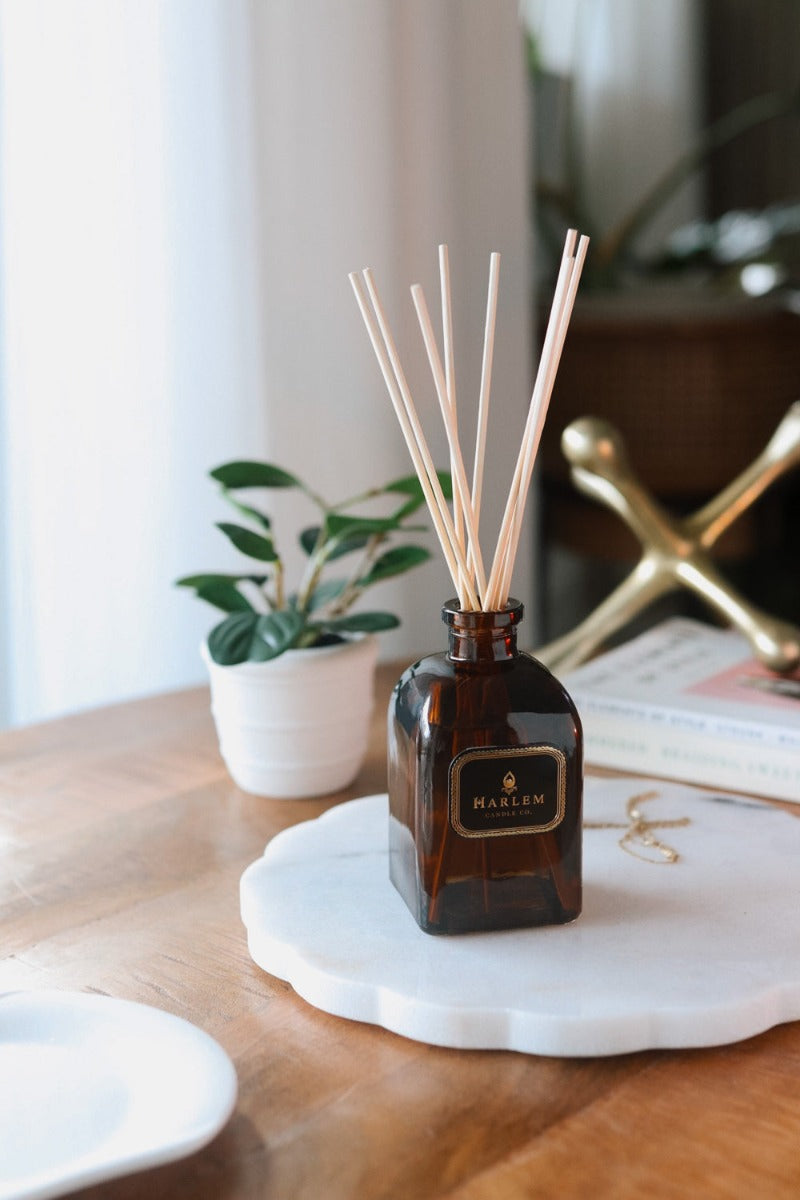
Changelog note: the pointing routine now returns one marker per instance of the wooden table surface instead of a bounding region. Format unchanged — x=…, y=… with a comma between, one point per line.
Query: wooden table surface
x=122, y=840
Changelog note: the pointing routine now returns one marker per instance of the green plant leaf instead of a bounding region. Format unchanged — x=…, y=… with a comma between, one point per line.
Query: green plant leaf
x=245, y=474
x=253, y=637
x=325, y=592
x=254, y=545
x=308, y=540
x=209, y=577
x=347, y=546
x=278, y=631
x=363, y=622
x=410, y=485
x=394, y=562
x=339, y=527
x=235, y=640
x=247, y=510
x=225, y=596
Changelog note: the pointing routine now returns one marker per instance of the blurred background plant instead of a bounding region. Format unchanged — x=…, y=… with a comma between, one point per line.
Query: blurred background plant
x=754, y=248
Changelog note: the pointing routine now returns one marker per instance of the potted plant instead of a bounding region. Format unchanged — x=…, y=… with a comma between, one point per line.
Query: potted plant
x=291, y=669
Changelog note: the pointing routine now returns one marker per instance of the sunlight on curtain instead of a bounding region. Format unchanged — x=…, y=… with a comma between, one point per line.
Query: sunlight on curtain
x=129, y=357
x=183, y=189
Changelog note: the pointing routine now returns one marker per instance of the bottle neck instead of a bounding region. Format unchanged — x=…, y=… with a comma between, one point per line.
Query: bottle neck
x=482, y=637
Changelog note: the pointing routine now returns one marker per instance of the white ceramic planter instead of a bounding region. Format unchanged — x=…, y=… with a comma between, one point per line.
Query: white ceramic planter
x=297, y=725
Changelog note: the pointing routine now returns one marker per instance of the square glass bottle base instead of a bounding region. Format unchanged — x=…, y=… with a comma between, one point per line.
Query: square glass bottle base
x=484, y=901
x=485, y=784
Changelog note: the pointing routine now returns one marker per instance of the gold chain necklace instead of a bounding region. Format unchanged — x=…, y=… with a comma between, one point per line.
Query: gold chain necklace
x=639, y=832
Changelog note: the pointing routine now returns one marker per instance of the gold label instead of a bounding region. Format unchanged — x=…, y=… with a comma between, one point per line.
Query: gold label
x=500, y=790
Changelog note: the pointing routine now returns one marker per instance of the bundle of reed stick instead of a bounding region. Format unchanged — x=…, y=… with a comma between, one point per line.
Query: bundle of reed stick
x=458, y=530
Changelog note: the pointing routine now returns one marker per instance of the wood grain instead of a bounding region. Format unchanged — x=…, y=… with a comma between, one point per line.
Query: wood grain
x=122, y=840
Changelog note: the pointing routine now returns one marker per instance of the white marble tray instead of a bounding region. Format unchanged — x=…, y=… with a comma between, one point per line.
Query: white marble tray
x=701, y=952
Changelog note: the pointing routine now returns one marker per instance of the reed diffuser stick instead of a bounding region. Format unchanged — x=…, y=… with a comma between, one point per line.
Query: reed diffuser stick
x=463, y=556
x=460, y=574
x=460, y=488
x=503, y=564
x=486, y=387
x=549, y=369
x=429, y=480
x=450, y=373
x=500, y=562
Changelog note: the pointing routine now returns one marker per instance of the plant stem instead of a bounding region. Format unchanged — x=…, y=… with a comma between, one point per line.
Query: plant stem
x=371, y=494
x=280, y=598
x=316, y=563
x=351, y=591
x=321, y=504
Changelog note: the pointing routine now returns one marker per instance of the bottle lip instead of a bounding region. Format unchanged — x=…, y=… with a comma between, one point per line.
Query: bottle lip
x=504, y=618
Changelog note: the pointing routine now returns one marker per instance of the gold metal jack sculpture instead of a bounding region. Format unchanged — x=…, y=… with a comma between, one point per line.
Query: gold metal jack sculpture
x=675, y=550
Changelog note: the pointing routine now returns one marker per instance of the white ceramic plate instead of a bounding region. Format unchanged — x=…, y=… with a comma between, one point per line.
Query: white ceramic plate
x=92, y=1088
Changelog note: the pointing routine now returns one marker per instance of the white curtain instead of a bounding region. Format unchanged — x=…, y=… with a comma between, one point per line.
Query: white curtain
x=184, y=187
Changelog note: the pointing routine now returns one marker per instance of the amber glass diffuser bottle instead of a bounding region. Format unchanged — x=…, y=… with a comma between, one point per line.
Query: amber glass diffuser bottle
x=485, y=783
x=485, y=746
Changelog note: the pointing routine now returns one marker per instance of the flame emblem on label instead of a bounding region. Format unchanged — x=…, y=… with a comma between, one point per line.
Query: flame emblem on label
x=509, y=783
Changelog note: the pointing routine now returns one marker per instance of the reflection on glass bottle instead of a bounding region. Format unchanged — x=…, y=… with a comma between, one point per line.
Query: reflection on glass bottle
x=485, y=783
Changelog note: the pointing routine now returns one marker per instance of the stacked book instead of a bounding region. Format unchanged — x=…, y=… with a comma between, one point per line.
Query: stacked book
x=688, y=701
